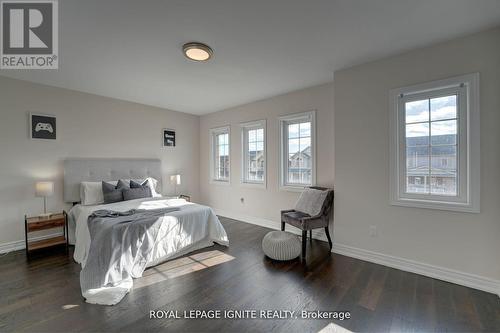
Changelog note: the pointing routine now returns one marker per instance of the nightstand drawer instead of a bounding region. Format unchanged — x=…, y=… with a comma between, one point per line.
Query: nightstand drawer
x=40, y=244
x=47, y=224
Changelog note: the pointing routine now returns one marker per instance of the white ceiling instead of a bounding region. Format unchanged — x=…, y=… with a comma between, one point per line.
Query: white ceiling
x=131, y=49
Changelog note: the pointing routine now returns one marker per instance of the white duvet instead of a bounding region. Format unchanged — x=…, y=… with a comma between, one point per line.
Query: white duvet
x=199, y=224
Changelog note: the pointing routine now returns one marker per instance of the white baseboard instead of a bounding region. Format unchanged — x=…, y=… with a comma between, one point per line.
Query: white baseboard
x=436, y=272
x=12, y=246
x=20, y=244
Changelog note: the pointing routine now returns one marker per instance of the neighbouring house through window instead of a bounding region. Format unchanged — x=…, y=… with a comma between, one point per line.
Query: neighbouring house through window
x=220, y=162
x=254, y=152
x=297, y=147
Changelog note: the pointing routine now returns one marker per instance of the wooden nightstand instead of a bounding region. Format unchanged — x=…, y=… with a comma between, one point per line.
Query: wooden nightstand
x=37, y=223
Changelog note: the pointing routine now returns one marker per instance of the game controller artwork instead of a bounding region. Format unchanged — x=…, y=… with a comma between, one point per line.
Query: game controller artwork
x=43, y=127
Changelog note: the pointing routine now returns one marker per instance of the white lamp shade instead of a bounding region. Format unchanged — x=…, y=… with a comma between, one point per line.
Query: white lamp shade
x=175, y=179
x=44, y=189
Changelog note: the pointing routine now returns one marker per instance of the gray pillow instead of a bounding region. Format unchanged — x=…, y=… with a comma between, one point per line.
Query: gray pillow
x=137, y=193
x=112, y=193
x=311, y=201
x=139, y=184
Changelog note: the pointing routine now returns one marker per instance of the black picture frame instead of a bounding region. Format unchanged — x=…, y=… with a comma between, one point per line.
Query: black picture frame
x=168, y=139
x=43, y=126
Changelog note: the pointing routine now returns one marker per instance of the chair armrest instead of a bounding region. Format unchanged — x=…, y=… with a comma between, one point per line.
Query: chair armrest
x=287, y=211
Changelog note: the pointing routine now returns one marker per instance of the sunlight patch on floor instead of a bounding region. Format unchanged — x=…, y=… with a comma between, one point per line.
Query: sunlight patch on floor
x=334, y=328
x=182, y=266
x=69, y=306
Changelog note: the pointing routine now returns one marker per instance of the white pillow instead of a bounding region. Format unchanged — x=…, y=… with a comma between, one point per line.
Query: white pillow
x=153, y=184
x=91, y=193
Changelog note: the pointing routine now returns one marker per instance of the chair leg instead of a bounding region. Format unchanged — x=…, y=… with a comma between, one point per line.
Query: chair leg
x=304, y=240
x=282, y=226
x=328, y=236
x=310, y=235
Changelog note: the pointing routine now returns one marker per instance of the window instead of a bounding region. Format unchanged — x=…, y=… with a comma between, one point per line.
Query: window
x=253, y=138
x=435, y=145
x=298, y=152
x=220, y=164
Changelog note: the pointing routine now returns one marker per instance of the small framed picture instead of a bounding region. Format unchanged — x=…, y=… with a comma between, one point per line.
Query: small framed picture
x=168, y=138
x=43, y=126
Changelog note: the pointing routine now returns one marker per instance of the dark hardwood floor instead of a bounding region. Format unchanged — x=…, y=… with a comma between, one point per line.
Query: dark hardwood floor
x=43, y=295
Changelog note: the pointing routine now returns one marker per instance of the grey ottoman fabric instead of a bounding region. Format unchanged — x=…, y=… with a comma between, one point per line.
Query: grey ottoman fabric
x=281, y=245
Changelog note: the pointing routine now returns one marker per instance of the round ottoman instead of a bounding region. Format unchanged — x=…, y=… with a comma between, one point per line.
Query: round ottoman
x=281, y=245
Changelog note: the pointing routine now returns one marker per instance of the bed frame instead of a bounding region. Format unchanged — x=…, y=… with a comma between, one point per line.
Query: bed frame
x=77, y=170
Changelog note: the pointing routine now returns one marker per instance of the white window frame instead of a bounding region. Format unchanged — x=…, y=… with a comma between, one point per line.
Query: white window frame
x=245, y=127
x=213, y=134
x=468, y=149
x=283, y=170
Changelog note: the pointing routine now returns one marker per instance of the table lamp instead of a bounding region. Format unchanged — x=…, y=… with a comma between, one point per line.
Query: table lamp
x=176, y=180
x=44, y=189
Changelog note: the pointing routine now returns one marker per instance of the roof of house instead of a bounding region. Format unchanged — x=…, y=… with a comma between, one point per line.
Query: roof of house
x=441, y=145
x=305, y=152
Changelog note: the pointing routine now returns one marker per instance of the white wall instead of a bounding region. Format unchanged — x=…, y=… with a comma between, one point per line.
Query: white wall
x=463, y=242
x=87, y=126
x=265, y=204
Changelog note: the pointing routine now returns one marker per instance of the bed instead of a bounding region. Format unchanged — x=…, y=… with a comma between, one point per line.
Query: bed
x=182, y=226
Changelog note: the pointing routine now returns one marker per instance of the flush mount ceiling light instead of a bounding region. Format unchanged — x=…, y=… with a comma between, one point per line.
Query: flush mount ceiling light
x=197, y=51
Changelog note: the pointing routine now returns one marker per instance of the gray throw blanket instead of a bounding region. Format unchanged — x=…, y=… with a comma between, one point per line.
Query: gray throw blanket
x=120, y=245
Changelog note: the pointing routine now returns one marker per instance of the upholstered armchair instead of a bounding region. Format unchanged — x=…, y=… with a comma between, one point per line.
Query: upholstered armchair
x=306, y=222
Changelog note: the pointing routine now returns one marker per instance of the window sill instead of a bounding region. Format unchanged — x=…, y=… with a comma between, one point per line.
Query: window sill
x=439, y=205
x=294, y=188
x=254, y=185
x=220, y=182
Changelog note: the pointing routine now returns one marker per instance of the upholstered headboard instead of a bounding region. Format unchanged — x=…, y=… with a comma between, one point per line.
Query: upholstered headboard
x=77, y=170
